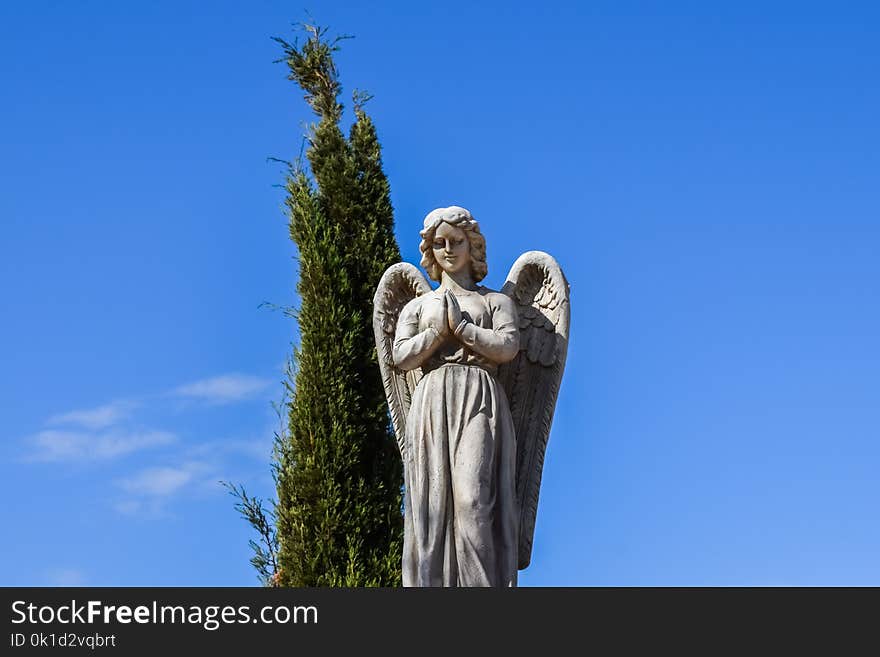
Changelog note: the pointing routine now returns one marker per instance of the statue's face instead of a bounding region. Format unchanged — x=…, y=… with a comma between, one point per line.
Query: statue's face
x=452, y=251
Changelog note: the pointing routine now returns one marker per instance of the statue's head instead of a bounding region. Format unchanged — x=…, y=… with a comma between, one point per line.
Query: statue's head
x=451, y=240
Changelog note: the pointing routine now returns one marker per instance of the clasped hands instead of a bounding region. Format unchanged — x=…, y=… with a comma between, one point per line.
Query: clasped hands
x=450, y=316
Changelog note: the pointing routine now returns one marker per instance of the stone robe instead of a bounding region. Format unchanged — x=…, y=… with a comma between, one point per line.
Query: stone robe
x=461, y=512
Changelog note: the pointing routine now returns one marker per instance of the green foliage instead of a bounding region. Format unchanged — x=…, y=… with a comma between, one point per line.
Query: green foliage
x=339, y=476
x=265, y=558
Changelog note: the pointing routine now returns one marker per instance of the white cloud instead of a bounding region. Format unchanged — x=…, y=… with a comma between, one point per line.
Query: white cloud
x=95, y=418
x=257, y=449
x=159, y=482
x=128, y=507
x=166, y=480
x=223, y=389
x=61, y=445
x=150, y=490
x=65, y=577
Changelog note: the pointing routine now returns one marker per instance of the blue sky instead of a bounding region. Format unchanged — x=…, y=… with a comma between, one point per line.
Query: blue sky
x=707, y=176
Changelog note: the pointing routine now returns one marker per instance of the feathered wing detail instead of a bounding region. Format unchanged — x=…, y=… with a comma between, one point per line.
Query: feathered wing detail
x=399, y=284
x=531, y=380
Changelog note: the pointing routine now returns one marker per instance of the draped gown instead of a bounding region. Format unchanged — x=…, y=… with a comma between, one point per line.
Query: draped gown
x=461, y=510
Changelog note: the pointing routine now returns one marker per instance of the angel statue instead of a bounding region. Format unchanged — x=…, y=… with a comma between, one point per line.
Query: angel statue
x=471, y=377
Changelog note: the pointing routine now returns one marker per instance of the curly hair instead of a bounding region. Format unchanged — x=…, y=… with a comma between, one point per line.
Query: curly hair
x=460, y=218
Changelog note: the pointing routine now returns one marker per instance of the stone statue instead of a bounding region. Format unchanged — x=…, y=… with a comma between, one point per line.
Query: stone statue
x=472, y=376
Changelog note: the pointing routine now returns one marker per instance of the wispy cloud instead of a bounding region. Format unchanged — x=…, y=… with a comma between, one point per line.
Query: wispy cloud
x=178, y=467
x=159, y=482
x=61, y=445
x=257, y=449
x=223, y=389
x=95, y=418
x=65, y=577
x=150, y=490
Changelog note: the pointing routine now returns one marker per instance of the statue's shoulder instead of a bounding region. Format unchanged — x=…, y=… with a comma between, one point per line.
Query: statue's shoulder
x=497, y=299
x=413, y=305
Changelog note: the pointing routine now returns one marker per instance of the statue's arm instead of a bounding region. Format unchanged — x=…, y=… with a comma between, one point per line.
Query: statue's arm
x=500, y=343
x=411, y=347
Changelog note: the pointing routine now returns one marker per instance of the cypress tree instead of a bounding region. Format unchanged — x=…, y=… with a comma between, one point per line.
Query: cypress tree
x=339, y=476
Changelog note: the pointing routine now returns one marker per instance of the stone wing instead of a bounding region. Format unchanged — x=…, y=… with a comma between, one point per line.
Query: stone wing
x=399, y=284
x=541, y=294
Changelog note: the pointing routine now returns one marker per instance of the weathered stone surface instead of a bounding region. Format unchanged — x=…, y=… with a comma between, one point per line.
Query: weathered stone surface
x=472, y=376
